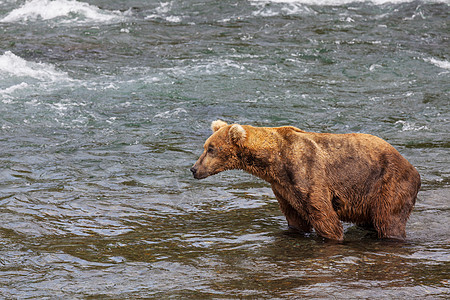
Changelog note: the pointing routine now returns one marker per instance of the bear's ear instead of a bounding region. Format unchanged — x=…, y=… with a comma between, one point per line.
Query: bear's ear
x=216, y=125
x=237, y=134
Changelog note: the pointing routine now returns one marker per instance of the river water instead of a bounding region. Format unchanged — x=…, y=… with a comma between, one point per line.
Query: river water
x=105, y=105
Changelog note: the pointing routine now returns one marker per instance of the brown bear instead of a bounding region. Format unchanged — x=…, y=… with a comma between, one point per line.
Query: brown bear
x=319, y=178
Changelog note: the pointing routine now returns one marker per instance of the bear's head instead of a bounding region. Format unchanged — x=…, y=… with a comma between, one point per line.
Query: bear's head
x=221, y=150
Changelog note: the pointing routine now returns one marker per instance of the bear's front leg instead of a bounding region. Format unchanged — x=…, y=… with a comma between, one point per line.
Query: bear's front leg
x=294, y=219
x=322, y=216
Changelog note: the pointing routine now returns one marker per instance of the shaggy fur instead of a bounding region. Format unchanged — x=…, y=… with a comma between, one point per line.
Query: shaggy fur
x=319, y=179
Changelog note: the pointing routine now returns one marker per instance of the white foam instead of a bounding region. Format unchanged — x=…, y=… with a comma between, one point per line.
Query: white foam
x=13, y=65
x=162, y=12
x=171, y=113
x=411, y=126
x=14, y=88
x=341, y=2
x=285, y=8
x=6, y=94
x=208, y=67
x=439, y=63
x=47, y=9
x=173, y=19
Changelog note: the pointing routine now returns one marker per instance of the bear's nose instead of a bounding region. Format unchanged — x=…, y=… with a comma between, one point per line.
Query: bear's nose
x=193, y=170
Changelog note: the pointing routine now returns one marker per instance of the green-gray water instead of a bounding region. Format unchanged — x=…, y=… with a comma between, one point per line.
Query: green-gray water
x=105, y=105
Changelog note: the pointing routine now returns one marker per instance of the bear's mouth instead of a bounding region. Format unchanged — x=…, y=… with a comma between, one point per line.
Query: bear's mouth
x=198, y=175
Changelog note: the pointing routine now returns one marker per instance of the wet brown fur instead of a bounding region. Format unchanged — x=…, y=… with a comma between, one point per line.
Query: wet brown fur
x=320, y=179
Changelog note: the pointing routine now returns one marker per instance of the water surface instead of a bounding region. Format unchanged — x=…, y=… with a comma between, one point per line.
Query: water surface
x=105, y=106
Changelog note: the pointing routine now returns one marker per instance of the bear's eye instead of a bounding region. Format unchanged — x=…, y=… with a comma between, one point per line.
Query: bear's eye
x=210, y=149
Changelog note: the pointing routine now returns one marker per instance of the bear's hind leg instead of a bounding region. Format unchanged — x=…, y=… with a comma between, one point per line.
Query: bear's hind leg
x=391, y=223
x=394, y=228
x=394, y=202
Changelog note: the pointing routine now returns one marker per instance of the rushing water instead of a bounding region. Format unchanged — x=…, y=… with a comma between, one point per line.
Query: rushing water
x=105, y=105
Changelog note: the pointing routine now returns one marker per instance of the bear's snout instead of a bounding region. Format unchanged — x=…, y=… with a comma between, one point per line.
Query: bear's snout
x=193, y=170
x=198, y=174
